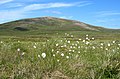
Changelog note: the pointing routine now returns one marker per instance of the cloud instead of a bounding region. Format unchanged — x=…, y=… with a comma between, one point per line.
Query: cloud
x=5, y=1
x=66, y=17
x=109, y=23
x=55, y=5
x=107, y=13
x=22, y=12
x=53, y=12
x=101, y=21
x=12, y=5
x=83, y=3
x=9, y=15
x=110, y=20
x=48, y=5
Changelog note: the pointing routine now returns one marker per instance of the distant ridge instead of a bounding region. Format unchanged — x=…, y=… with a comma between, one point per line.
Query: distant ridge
x=48, y=24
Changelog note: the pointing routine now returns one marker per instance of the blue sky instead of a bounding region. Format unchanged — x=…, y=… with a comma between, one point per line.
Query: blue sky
x=105, y=13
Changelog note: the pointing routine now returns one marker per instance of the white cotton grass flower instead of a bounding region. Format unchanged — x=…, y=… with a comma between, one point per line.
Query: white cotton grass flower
x=101, y=44
x=78, y=46
x=43, y=55
x=58, y=60
x=71, y=35
x=109, y=44
x=23, y=53
x=113, y=41
x=65, y=45
x=71, y=47
x=87, y=43
x=78, y=42
x=73, y=50
x=61, y=40
x=35, y=43
x=106, y=48
x=38, y=56
x=1, y=42
x=57, y=52
x=80, y=39
x=93, y=38
x=101, y=47
x=34, y=47
x=62, y=46
x=83, y=40
x=67, y=57
x=113, y=50
x=62, y=54
x=87, y=38
x=18, y=49
x=68, y=41
x=54, y=55
x=93, y=47
x=78, y=51
x=57, y=44
x=86, y=35
x=52, y=50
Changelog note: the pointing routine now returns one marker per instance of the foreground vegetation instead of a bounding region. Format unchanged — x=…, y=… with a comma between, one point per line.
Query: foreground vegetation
x=67, y=57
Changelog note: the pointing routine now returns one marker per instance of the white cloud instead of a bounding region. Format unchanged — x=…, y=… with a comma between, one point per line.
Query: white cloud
x=55, y=5
x=101, y=21
x=5, y=1
x=110, y=20
x=23, y=11
x=109, y=23
x=48, y=5
x=54, y=12
x=66, y=17
x=83, y=3
x=10, y=15
x=107, y=13
x=13, y=5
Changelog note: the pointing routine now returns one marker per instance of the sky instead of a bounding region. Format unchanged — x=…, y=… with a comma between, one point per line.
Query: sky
x=105, y=13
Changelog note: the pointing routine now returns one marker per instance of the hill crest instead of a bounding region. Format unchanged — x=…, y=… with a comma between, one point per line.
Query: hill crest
x=48, y=23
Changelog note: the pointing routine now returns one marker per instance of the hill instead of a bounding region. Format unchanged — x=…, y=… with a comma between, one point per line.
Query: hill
x=49, y=24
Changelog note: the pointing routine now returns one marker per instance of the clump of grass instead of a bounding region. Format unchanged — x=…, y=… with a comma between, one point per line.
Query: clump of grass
x=111, y=69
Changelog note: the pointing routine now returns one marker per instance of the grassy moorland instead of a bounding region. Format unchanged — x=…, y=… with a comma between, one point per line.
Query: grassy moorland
x=55, y=53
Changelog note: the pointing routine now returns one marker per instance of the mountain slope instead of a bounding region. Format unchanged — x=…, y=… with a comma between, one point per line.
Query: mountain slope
x=46, y=24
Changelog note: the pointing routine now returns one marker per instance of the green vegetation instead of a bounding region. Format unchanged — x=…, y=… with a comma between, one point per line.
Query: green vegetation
x=60, y=58
x=31, y=49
